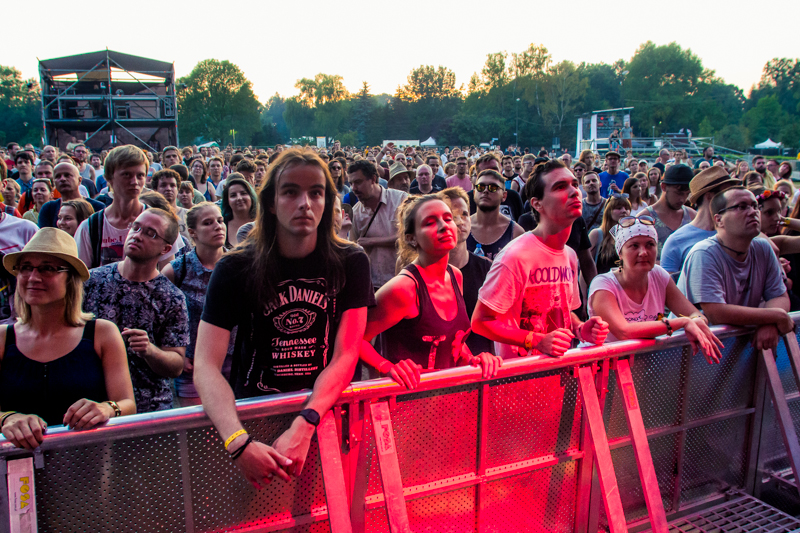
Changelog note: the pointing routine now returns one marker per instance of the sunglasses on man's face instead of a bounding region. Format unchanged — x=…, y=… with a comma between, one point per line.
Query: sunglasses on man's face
x=491, y=187
x=627, y=222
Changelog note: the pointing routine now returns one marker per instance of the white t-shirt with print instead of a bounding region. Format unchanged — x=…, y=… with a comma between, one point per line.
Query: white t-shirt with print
x=648, y=309
x=534, y=286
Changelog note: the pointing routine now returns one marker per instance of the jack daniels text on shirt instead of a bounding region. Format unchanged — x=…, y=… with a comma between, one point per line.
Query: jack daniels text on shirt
x=284, y=345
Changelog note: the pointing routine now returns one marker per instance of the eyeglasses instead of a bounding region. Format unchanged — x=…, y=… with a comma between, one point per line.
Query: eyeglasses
x=627, y=222
x=744, y=207
x=482, y=187
x=46, y=271
x=150, y=233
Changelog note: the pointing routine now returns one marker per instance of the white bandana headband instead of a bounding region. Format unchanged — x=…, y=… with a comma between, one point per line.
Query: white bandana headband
x=622, y=235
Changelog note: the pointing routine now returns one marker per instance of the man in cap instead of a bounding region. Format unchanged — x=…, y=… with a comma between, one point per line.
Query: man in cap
x=612, y=177
x=400, y=178
x=703, y=187
x=669, y=212
x=734, y=277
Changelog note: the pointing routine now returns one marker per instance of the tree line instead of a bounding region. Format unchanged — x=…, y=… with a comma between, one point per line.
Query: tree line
x=523, y=93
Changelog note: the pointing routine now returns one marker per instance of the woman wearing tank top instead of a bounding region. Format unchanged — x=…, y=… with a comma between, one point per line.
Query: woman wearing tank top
x=421, y=311
x=57, y=365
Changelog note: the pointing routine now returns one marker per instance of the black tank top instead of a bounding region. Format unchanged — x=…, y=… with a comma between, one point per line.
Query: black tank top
x=427, y=339
x=49, y=389
x=491, y=250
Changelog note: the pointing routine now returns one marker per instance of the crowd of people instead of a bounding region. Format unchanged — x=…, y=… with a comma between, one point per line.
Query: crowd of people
x=137, y=281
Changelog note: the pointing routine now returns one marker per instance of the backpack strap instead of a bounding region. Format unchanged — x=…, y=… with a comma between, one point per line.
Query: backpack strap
x=96, y=236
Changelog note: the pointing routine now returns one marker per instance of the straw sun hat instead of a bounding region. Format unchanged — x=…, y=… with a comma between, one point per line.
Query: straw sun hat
x=54, y=242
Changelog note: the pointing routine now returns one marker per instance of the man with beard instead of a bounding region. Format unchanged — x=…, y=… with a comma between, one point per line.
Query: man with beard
x=490, y=229
x=760, y=166
x=612, y=177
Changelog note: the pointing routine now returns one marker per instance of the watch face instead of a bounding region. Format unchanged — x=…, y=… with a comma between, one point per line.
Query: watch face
x=311, y=416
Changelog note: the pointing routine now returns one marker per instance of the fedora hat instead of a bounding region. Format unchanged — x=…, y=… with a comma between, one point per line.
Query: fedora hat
x=709, y=179
x=399, y=168
x=50, y=241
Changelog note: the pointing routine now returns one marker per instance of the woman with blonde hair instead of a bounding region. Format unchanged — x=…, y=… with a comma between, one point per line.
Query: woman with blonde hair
x=421, y=311
x=57, y=364
x=605, y=256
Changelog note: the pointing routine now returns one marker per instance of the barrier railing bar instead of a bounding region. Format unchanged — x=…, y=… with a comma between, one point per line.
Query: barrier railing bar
x=641, y=448
x=483, y=423
x=5, y=525
x=755, y=430
x=784, y=417
x=192, y=417
x=653, y=433
x=592, y=512
x=686, y=368
x=317, y=514
x=186, y=481
x=359, y=477
x=793, y=351
x=333, y=475
x=390, y=468
x=605, y=467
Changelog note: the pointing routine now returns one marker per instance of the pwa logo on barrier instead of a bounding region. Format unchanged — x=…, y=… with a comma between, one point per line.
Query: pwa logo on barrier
x=21, y=496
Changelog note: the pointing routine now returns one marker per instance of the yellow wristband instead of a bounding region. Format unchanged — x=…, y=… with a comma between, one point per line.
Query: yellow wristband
x=529, y=341
x=233, y=437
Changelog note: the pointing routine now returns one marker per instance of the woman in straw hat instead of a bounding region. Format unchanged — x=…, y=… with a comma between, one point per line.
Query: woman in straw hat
x=57, y=364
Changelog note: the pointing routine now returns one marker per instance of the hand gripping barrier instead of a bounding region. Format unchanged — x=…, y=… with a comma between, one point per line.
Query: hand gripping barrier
x=622, y=437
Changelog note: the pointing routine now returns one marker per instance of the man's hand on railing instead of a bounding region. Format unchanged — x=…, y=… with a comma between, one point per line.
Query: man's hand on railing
x=24, y=431
x=699, y=335
x=260, y=463
x=766, y=337
x=556, y=343
x=293, y=445
x=491, y=363
x=785, y=324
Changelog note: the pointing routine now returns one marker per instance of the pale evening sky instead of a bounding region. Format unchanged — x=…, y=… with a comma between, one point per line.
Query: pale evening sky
x=276, y=43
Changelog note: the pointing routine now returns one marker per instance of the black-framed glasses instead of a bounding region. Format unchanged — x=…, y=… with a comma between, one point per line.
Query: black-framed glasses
x=743, y=207
x=492, y=187
x=150, y=233
x=627, y=222
x=46, y=271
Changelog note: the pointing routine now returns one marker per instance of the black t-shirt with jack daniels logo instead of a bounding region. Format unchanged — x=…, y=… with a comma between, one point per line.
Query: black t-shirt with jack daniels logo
x=283, y=345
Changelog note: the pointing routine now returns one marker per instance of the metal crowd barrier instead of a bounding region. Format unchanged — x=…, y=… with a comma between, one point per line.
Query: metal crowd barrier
x=622, y=437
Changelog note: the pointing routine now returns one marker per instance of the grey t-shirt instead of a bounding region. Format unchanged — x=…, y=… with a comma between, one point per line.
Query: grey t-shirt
x=710, y=275
x=593, y=213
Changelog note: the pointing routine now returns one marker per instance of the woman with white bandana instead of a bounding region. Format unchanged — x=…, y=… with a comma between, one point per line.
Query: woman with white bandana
x=632, y=298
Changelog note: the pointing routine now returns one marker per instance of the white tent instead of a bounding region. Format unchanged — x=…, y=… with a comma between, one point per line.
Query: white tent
x=769, y=143
x=429, y=142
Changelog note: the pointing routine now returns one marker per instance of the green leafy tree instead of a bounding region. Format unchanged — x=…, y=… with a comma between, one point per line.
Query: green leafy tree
x=765, y=120
x=661, y=83
x=536, y=59
x=218, y=98
x=494, y=73
x=565, y=89
x=20, y=108
x=429, y=83
x=323, y=89
x=363, y=109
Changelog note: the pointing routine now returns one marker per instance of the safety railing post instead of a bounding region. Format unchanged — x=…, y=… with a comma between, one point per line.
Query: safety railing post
x=333, y=475
x=483, y=426
x=605, y=467
x=359, y=475
x=641, y=448
x=390, y=468
x=782, y=413
x=587, y=514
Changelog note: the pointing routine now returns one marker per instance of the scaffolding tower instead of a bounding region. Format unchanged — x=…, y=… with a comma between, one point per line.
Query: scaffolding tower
x=106, y=99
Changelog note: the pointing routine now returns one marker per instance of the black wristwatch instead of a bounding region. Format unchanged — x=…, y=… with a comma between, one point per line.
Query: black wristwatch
x=311, y=416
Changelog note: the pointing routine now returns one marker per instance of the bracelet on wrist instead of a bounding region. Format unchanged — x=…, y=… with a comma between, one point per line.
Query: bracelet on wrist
x=234, y=437
x=240, y=450
x=669, y=327
x=115, y=407
x=528, y=341
x=3, y=420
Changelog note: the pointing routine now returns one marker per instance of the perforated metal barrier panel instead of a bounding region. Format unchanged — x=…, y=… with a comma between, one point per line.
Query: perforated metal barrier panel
x=474, y=456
